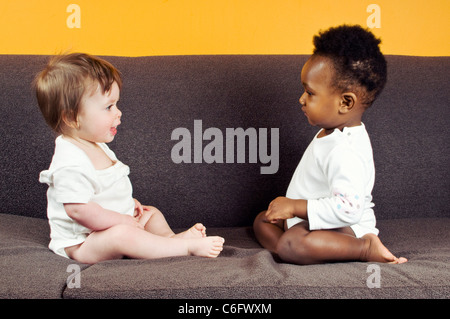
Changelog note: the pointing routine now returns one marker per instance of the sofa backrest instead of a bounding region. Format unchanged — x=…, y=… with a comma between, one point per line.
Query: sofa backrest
x=186, y=120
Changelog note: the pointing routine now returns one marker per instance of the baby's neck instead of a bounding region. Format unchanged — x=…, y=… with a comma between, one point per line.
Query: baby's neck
x=95, y=153
x=81, y=143
x=325, y=131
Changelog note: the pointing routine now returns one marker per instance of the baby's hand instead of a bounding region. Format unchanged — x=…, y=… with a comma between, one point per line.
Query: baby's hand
x=138, y=209
x=280, y=208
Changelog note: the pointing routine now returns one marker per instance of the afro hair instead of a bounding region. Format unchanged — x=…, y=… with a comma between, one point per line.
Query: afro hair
x=357, y=59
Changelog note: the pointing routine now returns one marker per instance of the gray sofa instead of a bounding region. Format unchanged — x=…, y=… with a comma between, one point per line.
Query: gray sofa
x=408, y=125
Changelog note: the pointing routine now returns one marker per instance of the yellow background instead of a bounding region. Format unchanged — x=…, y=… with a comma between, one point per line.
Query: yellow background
x=200, y=27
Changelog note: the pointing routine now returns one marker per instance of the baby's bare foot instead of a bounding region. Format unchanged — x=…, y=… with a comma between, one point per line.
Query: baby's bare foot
x=196, y=231
x=206, y=246
x=377, y=252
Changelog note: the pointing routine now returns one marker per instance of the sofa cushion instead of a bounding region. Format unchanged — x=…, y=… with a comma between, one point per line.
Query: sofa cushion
x=243, y=270
x=28, y=269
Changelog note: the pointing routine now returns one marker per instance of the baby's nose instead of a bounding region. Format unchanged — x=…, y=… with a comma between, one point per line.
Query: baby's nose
x=302, y=100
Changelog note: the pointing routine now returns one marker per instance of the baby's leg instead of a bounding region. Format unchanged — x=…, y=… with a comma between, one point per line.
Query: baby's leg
x=124, y=240
x=155, y=222
x=267, y=233
x=299, y=245
x=196, y=231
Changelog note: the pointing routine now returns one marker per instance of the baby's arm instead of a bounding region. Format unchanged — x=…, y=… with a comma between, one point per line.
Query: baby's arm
x=285, y=208
x=95, y=217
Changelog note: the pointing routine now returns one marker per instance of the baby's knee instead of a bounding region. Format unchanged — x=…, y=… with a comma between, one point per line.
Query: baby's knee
x=152, y=211
x=259, y=218
x=118, y=234
x=260, y=223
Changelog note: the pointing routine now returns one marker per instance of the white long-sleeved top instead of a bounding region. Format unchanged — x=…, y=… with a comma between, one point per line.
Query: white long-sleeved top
x=336, y=176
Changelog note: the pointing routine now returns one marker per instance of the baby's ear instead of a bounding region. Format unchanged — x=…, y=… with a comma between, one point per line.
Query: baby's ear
x=69, y=120
x=348, y=101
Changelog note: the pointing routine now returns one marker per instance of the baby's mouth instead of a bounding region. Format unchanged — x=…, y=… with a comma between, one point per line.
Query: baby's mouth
x=113, y=131
x=306, y=114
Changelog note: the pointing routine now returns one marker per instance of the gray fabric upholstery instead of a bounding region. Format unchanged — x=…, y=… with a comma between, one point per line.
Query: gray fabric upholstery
x=408, y=126
x=243, y=270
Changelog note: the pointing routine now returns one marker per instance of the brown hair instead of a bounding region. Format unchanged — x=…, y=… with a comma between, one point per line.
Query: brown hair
x=61, y=85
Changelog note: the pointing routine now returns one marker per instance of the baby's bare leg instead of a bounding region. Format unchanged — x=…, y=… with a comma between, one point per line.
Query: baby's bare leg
x=267, y=233
x=155, y=222
x=299, y=245
x=196, y=231
x=124, y=240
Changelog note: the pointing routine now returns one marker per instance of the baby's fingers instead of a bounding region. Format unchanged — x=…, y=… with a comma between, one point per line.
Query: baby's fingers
x=269, y=216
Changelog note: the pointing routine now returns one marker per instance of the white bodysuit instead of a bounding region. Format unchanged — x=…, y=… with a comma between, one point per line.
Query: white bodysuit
x=72, y=178
x=336, y=175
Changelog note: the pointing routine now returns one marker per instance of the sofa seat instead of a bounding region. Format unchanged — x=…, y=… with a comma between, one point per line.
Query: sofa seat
x=243, y=270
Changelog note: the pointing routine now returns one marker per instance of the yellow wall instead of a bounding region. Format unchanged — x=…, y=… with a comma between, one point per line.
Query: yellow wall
x=187, y=27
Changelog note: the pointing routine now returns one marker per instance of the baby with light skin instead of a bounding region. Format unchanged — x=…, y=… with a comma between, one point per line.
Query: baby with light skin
x=92, y=214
